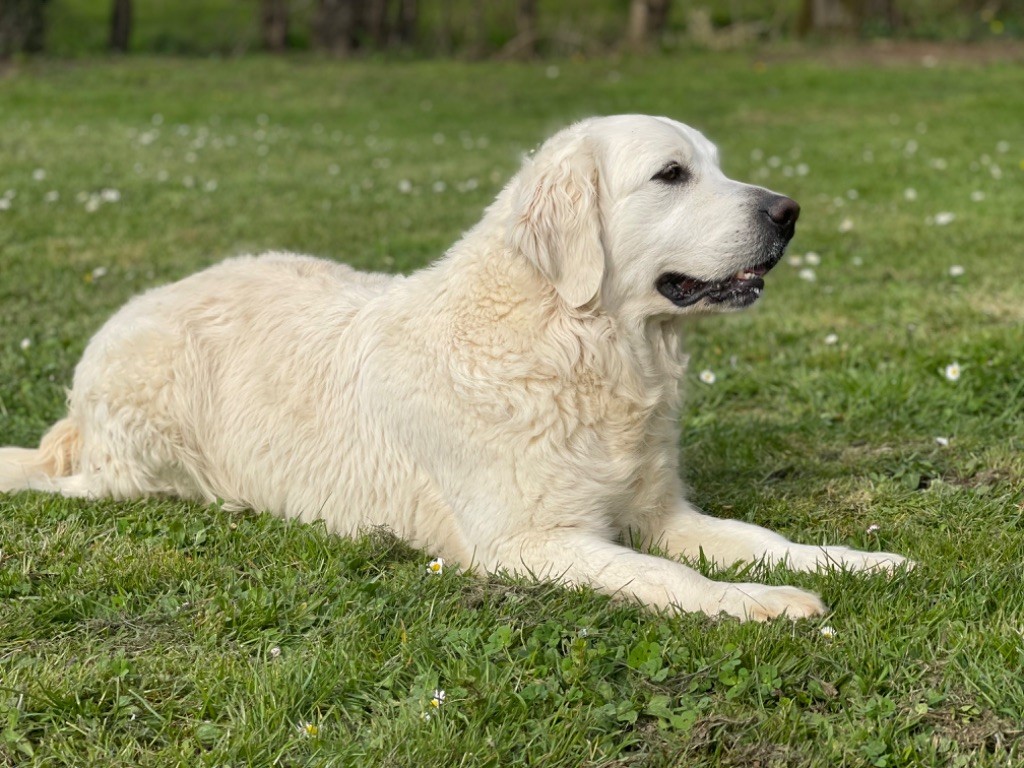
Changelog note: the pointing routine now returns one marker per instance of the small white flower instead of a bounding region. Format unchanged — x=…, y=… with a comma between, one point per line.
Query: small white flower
x=26, y=343
x=39, y=174
x=439, y=187
x=438, y=139
x=808, y=275
x=405, y=186
x=708, y=376
x=309, y=730
x=944, y=218
x=802, y=169
x=5, y=204
x=333, y=169
x=852, y=194
x=938, y=164
x=552, y=72
x=828, y=631
x=956, y=271
x=436, y=566
x=794, y=260
x=52, y=196
x=857, y=261
x=910, y=194
x=977, y=196
x=98, y=272
x=275, y=652
x=425, y=716
x=1003, y=147
x=92, y=204
x=952, y=372
x=846, y=225
x=110, y=196
x=211, y=185
x=943, y=441
x=832, y=339
x=438, y=698
x=874, y=528
x=812, y=258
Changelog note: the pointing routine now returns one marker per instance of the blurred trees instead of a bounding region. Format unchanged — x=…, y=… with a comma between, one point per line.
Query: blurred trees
x=647, y=18
x=343, y=26
x=22, y=26
x=274, y=24
x=120, y=25
x=481, y=28
x=846, y=16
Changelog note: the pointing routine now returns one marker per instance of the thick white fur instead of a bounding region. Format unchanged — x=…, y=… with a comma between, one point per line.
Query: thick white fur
x=513, y=406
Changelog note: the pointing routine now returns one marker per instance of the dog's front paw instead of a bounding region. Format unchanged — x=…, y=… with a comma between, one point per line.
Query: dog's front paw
x=844, y=558
x=760, y=602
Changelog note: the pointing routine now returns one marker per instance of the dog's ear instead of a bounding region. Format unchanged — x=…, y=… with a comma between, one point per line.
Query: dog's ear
x=556, y=219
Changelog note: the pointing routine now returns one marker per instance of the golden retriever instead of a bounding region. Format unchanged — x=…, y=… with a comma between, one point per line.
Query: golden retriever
x=514, y=406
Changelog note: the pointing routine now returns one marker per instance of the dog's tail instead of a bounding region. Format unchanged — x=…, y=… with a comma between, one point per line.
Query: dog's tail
x=37, y=468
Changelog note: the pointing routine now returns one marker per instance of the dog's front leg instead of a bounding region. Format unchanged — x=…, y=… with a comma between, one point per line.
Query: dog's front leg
x=686, y=532
x=577, y=557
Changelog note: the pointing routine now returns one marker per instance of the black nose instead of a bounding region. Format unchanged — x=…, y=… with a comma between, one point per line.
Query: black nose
x=782, y=211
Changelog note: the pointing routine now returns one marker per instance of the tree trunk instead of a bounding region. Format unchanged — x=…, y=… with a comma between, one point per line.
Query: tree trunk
x=120, y=25
x=377, y=21
x=337, y=26
x=274, y=24
x=404, y=32
x=22, y=26
x=647, y=18
x=524, y=44
x=478, y=35
x=445, y=41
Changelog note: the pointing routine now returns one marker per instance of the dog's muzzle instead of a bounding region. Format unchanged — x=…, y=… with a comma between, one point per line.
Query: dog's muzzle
x=778, y=222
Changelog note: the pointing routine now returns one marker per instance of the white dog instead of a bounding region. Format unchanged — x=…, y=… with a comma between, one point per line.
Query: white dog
x=513, y=406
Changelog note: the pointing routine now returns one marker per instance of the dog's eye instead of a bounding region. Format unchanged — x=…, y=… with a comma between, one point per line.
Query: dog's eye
x=673, y=173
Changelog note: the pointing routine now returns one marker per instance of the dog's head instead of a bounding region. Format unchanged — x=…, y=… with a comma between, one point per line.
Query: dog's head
x=634, y=211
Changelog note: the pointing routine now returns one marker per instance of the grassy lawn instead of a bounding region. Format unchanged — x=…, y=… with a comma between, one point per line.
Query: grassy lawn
x=162, y=633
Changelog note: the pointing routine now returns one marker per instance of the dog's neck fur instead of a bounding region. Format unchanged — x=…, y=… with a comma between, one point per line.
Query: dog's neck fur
x=496, y=322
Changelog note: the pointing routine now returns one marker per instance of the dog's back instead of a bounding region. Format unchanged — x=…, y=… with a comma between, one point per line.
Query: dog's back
x=180, y=361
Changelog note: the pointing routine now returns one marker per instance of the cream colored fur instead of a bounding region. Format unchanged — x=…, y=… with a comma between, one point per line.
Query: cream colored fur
x=513, y=407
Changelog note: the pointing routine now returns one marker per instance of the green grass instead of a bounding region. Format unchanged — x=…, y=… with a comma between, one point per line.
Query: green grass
x=144, y=633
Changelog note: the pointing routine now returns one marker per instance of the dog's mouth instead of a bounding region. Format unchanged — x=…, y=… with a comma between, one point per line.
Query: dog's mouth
x=740, y=290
